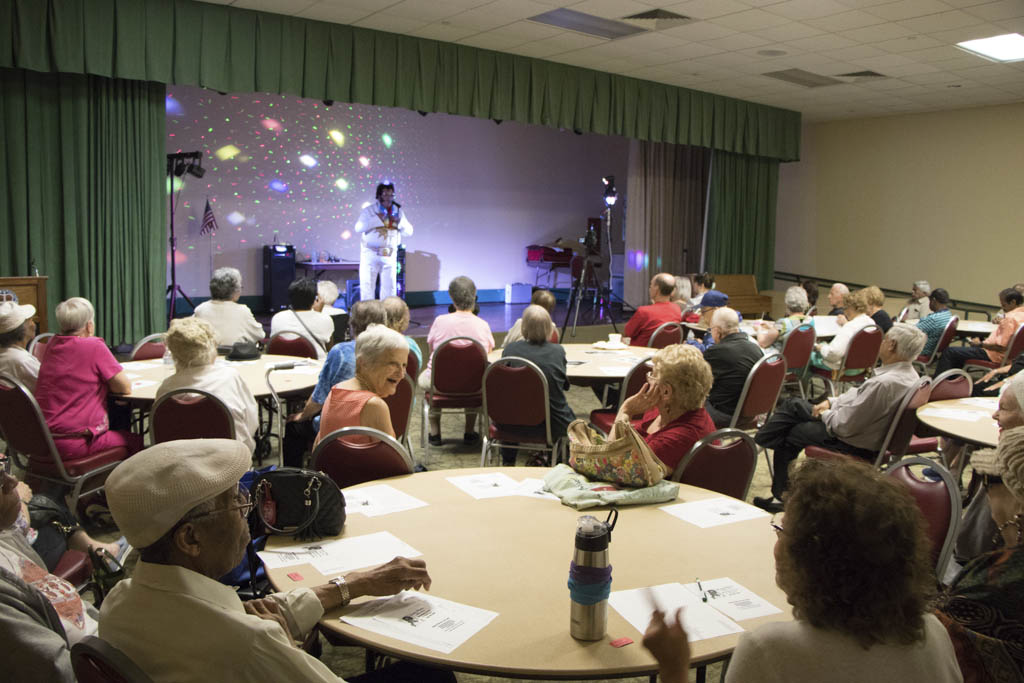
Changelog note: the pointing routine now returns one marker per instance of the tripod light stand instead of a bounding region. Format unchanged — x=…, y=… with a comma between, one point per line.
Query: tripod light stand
x=179, y=164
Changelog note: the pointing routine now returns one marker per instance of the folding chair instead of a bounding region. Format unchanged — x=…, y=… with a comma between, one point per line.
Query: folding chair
x=760, y=392
x=400, y=405
x=96, y=661
x=948, y=334
x=939, y=502
x=37, y=347
x=518, y=407
x=292, y=344
x=713, y=464
x=602, y=419
x=949, y=385
x=903, y=314
x=456, y=381
x=1013, y=349
x=861, y=356
x=190, y=414
x=412, y=367
x=150, y=346
x=796, y=349
x=667, y=334
x=353, y=455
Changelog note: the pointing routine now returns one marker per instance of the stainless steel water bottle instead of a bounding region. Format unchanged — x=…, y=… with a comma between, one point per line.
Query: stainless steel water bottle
x=590, y=577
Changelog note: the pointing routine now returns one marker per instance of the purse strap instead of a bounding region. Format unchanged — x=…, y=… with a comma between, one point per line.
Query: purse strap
x=312, y=500
x=304, y=325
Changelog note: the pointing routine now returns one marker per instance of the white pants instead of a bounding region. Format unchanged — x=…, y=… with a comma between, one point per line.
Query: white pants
x=371, y=264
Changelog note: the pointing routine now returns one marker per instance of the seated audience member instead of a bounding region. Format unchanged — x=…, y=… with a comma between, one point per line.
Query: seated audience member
x=461, y=323
x=918, y=306
x=328, y=293
x=853, y=559
x=75, y=377
x=811, y=288
x=837, y=298
x=875, y=300
x=340, y=365
x=934, y=324
x=17, y=329
x=660, y=311
x=854, y=422
x=180, y=503
x=773, y=336
x=381, y=357
x=711, y=301
x=304, y=317
x=536, y=347
x=829, y=355
x=681, y=294
x=994, y=347
x=992, y=382
x=702, y=283
x=232, y=321
x=983, y=609
x=193, y=346
x=731, y=358
x=398, y=320
x=545, y=300
x=672, y=403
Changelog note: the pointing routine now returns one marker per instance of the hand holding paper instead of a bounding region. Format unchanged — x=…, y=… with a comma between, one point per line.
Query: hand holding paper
x=669, y=645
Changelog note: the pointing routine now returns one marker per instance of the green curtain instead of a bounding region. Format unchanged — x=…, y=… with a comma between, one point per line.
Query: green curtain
x=81, y=173
x=741, y=217
x=224, y=48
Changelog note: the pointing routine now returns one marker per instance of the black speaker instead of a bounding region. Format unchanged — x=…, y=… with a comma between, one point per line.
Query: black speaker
x=278, y=273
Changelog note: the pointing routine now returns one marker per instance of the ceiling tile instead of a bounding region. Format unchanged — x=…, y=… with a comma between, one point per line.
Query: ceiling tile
x=646, y=42
x=853, y=53
x=908, y=69
x=935, y=54
x=789, y=31
x=932, y=78
x=876, y=34
x=447, y=33
x=392, y=23
x=737, y=41
x=491, y=40
x=751, y=20
x=609, y=9
x=568, y=41
x=907, y=44
x=823, y=42
x=940, y=22
x=338, y=14
x=699, y=31
x=806, y=9
x=958, y=35
x=845, y=21
x=861, y=4
x=279, y=6
x=727, y=59
x=526, y=31
x=430, y=12
x=908, y=9
x=706, y=9
x=997, y=11
x=690, y=51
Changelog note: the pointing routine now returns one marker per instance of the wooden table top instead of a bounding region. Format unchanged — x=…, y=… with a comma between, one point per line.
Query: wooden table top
x=588, y=363
x=146, y=376
x=511, y=555
x=976, y=425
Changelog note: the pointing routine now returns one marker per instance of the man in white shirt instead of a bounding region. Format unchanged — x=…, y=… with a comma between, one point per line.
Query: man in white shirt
x=16, y=330
x=234, y=322
x=382, y=225
x=304, y=317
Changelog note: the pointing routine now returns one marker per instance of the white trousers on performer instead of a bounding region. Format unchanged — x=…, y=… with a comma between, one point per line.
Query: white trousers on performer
x=372, y=264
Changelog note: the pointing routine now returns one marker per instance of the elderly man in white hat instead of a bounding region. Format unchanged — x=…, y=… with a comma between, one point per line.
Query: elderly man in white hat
x=16, y=330
x=180, y=503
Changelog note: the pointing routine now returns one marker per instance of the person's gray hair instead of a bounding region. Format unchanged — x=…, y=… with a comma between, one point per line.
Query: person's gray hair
x=366, y=313
x=462, y=290
x=923, y=285
x=74, y=314
x=726, y=318
x=1015, y=386
x=909, y=340
x=375, y=341
x=224, y=283
x=796, y=299
x=840, y=287
x=398, y=313
x=536, y=327
x=192, y=342
x=328, y=292
x=684, y=289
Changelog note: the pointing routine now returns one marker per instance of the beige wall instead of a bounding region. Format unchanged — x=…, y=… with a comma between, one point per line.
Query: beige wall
x=936, y=196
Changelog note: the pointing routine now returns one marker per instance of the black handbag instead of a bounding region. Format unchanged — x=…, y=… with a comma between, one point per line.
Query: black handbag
x=291, y=501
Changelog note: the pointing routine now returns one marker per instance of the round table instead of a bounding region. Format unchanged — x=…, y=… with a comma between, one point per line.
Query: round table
x=511, y=555
x=969, y=328
x=146, y=376
x=585, y=364
x=967, y=419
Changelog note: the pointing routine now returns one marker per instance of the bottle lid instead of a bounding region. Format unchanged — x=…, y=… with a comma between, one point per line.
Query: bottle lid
x=592, y=534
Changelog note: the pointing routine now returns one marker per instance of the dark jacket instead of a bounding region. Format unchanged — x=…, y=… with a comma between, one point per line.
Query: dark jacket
x=731, y=360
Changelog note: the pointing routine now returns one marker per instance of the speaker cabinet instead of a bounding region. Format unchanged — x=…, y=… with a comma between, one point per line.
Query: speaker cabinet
x=278, y=273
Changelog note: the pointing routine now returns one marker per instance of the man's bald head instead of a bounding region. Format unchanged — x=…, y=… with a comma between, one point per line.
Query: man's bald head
x=662, y=286
x=836, y=294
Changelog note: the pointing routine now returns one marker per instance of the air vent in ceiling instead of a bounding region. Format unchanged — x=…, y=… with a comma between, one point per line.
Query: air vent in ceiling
x=658, y=19
x=801, y=77
x=600, y=27
x=862, y=76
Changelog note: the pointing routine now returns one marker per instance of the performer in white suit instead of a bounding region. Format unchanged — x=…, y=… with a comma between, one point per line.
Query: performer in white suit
x=382, y=225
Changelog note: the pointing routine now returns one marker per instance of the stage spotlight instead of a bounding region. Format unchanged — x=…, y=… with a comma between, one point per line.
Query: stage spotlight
x=180, y=166
x=610, y=193
x=197, y=170
x=328, y=103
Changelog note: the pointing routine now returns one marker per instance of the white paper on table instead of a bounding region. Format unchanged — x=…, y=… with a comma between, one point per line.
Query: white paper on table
x=491, y=485
x=382, y=499
x=143, y=383
x=421, y=619
x=534, y=488
x=614, y=370
x=340, y=555
x=700, y=620
x=288, y=556
x=714, y=511
x=132, y=375
x=732, y=599
x=981, y=402
x=954, y=414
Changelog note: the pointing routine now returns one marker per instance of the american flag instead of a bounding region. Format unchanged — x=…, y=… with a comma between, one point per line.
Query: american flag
x=209, y=222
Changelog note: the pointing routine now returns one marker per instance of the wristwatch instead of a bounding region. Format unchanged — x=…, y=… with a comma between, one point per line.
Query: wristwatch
x=342, y=585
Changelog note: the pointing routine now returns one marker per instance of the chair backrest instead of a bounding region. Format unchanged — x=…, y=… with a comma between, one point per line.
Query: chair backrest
x=1015, y=346
x=412, y=366
x=190, y=414
x=761, y=390
x=903, y=314
x=97, y=661
x=812, y=311
x=797, y=347
x=667, y=334
x=862, y=353
x=904, y=422
x=292, y=344
x=37, y=347
x=457, y=367
x=150, y=346
x=634, y=379
x=951, y=384
x=939, y=502
x=516, y=394
x=948, y=334
x=400, y=406
x=723, y=461
x=22, y=424
x=351, y=461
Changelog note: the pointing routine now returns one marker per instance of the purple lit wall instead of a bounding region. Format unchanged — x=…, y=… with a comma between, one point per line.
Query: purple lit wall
x=279, y=167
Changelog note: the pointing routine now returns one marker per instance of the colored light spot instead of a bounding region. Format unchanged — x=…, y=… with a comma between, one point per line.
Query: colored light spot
x=341, y=184
x=307, y=161
x=345, y=235
x=278, y=186
x=338, y=137
x=234, y=218
x=271, y=124
x=386, y=139
x=173, y=106
x=175, y=185
x=227, y=152
x=365, y=204
x=364, y=162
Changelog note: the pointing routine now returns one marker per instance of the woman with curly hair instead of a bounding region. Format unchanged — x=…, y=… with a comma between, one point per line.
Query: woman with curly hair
x=854, y=562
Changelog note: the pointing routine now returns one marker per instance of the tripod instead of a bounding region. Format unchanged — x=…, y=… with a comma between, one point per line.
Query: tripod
x=177, y=164
x=603, y=308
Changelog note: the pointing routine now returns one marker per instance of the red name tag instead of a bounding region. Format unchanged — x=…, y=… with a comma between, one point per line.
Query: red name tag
x=621, y=642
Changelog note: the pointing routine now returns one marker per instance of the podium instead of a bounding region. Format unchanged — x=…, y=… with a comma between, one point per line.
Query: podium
x=29, y=290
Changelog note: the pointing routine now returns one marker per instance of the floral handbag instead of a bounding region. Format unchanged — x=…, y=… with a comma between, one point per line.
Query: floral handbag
x=623, y=458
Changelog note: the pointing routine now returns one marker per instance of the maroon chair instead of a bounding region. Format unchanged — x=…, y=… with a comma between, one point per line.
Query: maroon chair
x=292, y=344
x=37, y=347
x=97, y=661
x=948, y=334
x=902, y=317
x=151, y=346
x=861, y=356
x=353, y=455
x=190, y=414
x=75, y=567
x=723, y=461
x=939, y=502
x=949, y=385
x=760, y=392
x=667, y=334
x=602, y=419
x=412, y=366
x=26, y=434
x=456, y=380
x=400, y=406
x=901, y=428
x=796, y=349
x=1013, y=349
x=518, y=407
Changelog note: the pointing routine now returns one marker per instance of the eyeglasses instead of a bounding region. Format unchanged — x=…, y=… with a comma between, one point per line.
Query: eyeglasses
x=243, y=506
x=777, y=527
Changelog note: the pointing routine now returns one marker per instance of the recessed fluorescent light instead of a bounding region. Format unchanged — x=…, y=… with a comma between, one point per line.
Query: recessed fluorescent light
x=586, y=23
x=1005, y=48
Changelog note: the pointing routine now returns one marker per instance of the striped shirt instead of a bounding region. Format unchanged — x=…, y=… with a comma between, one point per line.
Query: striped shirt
x=933, y=326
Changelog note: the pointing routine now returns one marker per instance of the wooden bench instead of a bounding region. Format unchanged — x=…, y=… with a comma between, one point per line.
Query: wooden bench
x=743, y=295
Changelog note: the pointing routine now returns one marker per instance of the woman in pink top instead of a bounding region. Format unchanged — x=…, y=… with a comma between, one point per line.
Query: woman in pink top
x=381, y=356
x=77, y=373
